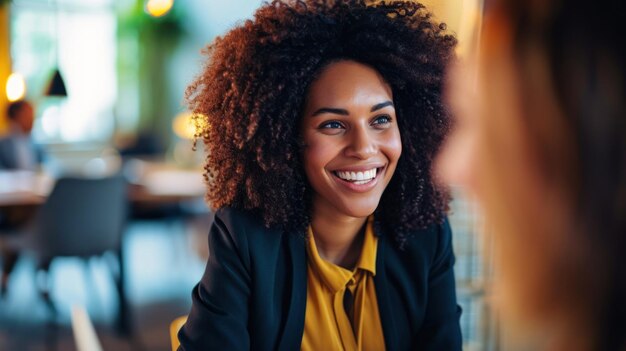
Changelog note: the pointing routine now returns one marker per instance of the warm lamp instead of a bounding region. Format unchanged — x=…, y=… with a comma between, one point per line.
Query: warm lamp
x=184, y=126
x=158, y=8
x=15, y=87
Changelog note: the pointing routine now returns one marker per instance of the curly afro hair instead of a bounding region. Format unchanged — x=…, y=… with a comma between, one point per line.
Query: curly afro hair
x=249, y=97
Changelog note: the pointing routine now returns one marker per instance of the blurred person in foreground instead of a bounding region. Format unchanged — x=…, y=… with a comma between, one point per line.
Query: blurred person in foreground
x=540, y=142
x=17, y=150
x=330, y=232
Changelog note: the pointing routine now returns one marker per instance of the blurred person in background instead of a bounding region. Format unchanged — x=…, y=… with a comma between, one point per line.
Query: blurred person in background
x=330, y=232
x=17, y=150
x=540, y=142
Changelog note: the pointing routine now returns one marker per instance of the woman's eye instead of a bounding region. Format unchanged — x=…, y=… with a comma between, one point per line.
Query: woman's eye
x=382, y=121
x=331, y=125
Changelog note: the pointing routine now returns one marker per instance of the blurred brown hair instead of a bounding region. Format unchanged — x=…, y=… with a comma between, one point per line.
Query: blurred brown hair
x=582, y=149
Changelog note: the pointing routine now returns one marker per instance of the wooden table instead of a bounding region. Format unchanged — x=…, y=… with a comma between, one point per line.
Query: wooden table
x=23, y=188
x=149, y=183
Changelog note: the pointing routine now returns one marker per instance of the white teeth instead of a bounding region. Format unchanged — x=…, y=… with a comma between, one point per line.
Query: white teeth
x=370, y=174
x=357, y=177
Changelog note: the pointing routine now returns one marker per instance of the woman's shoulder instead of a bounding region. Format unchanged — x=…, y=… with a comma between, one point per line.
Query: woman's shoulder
x=425, y=253
x=243, y=226
x=234, y=217
x=430, y=241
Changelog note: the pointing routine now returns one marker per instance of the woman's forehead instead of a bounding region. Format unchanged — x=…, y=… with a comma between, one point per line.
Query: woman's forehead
x=345, y=82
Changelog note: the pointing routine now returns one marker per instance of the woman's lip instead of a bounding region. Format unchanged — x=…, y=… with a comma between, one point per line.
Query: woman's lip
x=359, y=188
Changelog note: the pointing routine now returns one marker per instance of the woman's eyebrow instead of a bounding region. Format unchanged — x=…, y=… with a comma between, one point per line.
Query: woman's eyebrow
x=381, y=105
x=337, y=111
x=340, y=111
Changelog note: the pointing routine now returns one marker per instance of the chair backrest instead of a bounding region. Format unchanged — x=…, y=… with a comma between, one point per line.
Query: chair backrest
x=82, y=217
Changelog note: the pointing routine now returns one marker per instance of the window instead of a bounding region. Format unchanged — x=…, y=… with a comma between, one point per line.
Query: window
x=78, y=37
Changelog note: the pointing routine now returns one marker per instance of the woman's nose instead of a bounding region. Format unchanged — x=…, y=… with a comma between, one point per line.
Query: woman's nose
x=362, y=145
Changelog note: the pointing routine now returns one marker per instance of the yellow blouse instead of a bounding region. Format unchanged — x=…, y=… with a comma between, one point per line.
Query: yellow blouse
x=327, y=326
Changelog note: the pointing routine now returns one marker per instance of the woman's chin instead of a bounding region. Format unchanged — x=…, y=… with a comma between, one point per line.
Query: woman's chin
x=359, y=211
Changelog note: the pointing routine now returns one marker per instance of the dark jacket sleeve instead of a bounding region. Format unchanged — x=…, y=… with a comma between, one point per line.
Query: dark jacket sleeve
x=441, y=330
x=219, y=313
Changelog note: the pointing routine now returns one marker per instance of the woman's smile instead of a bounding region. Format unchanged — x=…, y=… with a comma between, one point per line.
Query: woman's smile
x=358, y=178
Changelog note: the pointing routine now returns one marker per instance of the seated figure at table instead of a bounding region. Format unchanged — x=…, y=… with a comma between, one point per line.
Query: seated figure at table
x=17, y=150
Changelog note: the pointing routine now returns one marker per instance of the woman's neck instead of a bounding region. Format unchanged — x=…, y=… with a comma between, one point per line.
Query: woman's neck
x=337, y=237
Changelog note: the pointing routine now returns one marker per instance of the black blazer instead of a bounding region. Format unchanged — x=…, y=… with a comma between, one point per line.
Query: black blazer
x=253, y=292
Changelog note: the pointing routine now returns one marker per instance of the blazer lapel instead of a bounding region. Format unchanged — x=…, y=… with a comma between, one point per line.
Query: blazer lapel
x=291, y=338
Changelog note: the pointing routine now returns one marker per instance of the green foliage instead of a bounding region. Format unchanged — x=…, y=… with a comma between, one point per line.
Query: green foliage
x=167, y=28
x=146, y=44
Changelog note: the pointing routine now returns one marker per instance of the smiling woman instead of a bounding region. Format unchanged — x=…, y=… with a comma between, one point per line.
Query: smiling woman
x=321, y=120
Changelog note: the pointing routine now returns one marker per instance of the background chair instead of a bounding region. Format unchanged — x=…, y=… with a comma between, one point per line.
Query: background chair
x=83, y=217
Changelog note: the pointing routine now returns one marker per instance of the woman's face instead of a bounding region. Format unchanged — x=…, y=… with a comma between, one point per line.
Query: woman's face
x=351, y=137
